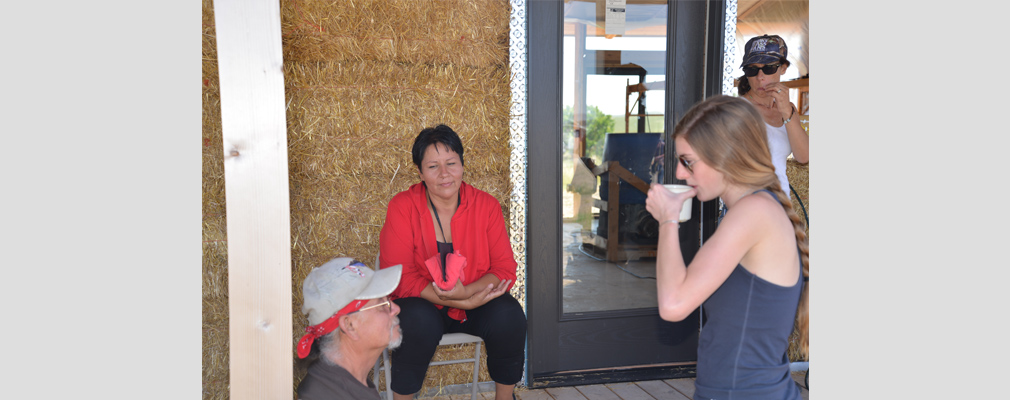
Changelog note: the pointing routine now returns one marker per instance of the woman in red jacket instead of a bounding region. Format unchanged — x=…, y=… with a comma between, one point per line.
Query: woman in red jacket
x=458, y=268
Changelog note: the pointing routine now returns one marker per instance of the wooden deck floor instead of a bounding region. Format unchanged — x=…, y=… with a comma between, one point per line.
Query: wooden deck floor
x=671, y=389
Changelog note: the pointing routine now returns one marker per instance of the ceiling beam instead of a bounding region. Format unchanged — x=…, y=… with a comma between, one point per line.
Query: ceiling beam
x=750, y=10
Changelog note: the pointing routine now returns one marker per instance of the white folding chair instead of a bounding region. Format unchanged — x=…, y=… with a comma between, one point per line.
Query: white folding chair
x=447, y=339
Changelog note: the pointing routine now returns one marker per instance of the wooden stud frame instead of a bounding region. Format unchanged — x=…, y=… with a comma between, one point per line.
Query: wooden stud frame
x=256, y=185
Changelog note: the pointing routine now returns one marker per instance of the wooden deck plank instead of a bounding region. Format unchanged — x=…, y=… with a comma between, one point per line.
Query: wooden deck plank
x=536, y=394
x=661, y=390
x=685, y=386
x=629, y=391
x=565, y=393
x=673, y=389
x=597, y=392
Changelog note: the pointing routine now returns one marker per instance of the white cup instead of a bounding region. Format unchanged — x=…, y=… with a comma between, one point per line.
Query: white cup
x=685, y=211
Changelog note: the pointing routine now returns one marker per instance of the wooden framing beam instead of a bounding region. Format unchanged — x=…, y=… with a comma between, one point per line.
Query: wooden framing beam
x=613, y=203
x=254, y=131
x=745, y=13
x=627, y=176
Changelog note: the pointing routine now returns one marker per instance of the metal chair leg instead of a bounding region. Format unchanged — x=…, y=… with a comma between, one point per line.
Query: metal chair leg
x=476, y=370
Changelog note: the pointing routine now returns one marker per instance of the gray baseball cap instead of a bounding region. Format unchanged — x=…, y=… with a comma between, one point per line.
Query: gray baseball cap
x=332, y=286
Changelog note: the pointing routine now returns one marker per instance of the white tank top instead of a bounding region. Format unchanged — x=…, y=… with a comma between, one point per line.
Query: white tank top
x=778, y=144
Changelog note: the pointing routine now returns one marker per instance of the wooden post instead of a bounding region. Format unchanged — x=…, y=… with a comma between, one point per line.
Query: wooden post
x=613, y=212
x=256, y=186
x=579, y=109
x=579, y=127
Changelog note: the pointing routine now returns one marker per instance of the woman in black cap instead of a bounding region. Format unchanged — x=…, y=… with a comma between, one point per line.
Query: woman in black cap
x=764, y=62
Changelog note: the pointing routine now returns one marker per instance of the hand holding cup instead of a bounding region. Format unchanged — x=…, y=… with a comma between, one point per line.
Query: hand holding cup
x=666, y=202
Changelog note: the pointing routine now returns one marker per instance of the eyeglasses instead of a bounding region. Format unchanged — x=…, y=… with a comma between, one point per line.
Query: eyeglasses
x=767, y=69
x=385, y=303
x=687, y=164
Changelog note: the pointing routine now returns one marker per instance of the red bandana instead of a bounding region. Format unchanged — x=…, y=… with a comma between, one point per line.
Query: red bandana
x=315, y=331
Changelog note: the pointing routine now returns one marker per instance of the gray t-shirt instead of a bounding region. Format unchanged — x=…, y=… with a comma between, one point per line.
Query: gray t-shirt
x=328, y=382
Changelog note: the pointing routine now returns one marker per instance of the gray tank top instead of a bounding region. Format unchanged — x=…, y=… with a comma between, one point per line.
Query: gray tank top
x=743, y=343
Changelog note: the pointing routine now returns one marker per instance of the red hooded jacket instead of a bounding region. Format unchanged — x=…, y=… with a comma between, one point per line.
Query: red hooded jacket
x=478, y=233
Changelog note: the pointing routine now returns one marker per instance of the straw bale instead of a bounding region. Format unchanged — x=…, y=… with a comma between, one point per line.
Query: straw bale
x=215, y=349
x=358, y=100
x=213, y=168
x=799, y=178
x=213, y=191
x=454, y=374
x=440, y=376
x=208, y=14
x=215, y=308
x=213, y=153
x=215, y=245
x=459, y=32
x=215, y=259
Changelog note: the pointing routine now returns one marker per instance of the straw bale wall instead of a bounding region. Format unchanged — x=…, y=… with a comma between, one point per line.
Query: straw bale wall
x=215, y=245
x=362, y=78
x=799, y=178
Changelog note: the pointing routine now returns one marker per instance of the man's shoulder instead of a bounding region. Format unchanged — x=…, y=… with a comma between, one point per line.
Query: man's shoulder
x=325, y=381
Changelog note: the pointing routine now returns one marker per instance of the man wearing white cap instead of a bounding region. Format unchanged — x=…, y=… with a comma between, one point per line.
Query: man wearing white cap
x=354, y=320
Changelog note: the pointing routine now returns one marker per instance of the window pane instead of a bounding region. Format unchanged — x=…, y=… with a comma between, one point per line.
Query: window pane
x=614, y=69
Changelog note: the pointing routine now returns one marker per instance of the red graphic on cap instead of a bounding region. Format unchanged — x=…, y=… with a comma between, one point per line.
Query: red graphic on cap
x=356, y=270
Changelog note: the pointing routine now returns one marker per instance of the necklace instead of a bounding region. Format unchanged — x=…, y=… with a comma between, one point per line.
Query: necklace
x=435, y=210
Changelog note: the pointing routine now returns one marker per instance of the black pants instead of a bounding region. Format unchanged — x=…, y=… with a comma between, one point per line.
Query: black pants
x=501, y=323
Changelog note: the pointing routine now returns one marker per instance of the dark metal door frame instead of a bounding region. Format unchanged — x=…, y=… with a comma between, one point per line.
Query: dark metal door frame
x=687, y=69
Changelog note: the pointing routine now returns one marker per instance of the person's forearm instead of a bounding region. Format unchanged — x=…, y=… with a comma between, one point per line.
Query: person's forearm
x=799, y=141
x=469, y=291
x=429, y=294
x=480, y=284
x=670, y=271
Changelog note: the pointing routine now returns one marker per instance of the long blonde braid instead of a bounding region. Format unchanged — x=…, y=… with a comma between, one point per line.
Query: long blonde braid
x=802, y=325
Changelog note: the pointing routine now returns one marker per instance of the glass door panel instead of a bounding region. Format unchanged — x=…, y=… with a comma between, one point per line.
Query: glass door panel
x=600, y=100
x=613, y=106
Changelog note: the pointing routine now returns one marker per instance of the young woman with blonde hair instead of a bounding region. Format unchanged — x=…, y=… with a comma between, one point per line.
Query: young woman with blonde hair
x=751, y=273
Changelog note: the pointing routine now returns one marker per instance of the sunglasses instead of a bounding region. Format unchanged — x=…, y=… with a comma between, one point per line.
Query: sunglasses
x=687, y=164
x=767, y=69
x=385, y=303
